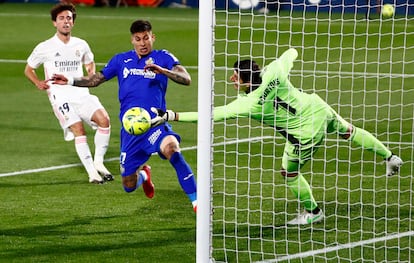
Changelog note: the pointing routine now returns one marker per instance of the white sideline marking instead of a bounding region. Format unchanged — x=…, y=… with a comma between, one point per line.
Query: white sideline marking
x=39, y=170
x=338, y=247
x=254, y=139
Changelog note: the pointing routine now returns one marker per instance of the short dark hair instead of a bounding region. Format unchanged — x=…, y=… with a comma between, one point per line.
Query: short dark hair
x=249, y=71
x=62, y=7
x=140, y=26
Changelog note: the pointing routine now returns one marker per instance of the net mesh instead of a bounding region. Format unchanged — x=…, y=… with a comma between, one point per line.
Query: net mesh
x=363, y=66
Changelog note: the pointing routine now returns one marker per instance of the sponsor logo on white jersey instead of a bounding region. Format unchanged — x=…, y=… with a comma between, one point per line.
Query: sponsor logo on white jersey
x=67, y=65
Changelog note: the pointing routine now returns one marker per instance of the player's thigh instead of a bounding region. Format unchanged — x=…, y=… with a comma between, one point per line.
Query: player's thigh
x=66, y=113
x=295, y=156
x=131, y=159
x=90, y=106
x=337, y=124
x=136, y=150
x=166, y=141
x=169, y=146
x=101, y=118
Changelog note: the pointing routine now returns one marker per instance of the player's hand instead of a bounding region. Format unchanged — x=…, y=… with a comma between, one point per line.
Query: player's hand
x=61, y=79
x=162, y=116
x=154, y=68
x=42, y=85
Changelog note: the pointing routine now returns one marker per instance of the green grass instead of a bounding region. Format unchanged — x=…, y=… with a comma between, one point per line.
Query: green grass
x=56, y=216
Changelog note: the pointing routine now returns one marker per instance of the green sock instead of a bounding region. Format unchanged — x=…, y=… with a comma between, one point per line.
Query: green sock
x=368, y=141
x=301, y=189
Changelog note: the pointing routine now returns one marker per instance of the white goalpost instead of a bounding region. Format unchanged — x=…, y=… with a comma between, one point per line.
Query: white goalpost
x=360, y=63
x=204, y=136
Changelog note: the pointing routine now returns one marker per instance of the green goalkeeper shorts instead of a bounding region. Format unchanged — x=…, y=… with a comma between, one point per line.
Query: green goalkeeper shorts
x=296, y=155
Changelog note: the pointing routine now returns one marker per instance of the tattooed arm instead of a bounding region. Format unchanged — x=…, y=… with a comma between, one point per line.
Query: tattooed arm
x=177, y=74
x=93, y=80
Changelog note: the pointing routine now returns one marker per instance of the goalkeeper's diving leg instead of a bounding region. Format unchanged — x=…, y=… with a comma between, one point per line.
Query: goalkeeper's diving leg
x=302, y=190
x=367, y=141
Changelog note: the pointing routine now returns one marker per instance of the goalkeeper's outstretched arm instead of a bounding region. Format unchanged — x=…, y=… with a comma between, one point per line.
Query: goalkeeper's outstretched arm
x=230, y=111
x=169, y=115
x=243, y=106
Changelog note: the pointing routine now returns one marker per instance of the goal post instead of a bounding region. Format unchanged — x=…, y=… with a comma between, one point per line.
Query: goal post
x=361, y=64
x=204, y=134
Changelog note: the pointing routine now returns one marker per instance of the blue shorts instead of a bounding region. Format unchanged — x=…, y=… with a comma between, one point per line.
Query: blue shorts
x=136, y=150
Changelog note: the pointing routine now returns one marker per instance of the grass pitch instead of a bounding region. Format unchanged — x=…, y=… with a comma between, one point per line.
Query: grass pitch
x=56, y=215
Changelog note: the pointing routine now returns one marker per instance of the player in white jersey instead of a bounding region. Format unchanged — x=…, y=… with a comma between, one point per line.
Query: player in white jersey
x=72, y=105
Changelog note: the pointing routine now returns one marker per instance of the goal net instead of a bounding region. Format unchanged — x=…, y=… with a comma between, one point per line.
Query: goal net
x=363, y=66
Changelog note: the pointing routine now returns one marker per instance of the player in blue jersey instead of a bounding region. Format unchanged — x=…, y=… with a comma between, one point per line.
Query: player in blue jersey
x=143, y=75
x=303, y=119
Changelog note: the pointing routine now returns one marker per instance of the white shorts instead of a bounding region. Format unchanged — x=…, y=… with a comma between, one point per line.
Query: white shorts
x=69, y=111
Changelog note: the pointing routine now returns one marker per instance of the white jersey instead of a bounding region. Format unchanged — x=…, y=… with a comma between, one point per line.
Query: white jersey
x=70, y=104
x=66, y=59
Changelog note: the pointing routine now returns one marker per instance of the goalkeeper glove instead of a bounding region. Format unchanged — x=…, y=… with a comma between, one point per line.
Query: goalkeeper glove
x=162, y=116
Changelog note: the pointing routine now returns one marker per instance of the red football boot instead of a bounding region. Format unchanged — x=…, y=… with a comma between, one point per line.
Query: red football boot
x=148, y=186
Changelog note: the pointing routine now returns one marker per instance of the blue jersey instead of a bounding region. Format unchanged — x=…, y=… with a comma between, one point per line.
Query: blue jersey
x=139, y=88
x=136, y=86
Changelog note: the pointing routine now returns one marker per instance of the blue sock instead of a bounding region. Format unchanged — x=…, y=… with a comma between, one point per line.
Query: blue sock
x=192, y=197
x=185, y=175
x=129, y=190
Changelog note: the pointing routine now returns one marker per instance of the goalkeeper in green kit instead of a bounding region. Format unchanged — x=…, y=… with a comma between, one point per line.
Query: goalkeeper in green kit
x=303, y=119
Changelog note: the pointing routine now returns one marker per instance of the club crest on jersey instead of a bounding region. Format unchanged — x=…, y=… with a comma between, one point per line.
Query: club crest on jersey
x=149, y=61
x=77, y=53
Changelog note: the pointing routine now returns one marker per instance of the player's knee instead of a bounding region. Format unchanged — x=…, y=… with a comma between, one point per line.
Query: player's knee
x=348, y=133
x=103, y=122
x=101, y=118
x=170, y=148
x=129, y=183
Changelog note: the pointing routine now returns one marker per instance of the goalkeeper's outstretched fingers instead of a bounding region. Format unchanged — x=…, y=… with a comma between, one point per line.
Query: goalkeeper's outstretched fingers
x=162, y=116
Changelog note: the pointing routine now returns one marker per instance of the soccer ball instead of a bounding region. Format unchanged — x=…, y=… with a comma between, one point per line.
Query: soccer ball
x=387, y=11
x=136, y=121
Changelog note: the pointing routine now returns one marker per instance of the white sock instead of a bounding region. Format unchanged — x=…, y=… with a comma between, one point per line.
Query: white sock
x=144, y=175
x=101, y=139
x=84, y=153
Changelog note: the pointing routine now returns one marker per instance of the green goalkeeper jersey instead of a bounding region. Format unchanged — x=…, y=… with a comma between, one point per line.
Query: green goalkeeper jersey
x=298, y=116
